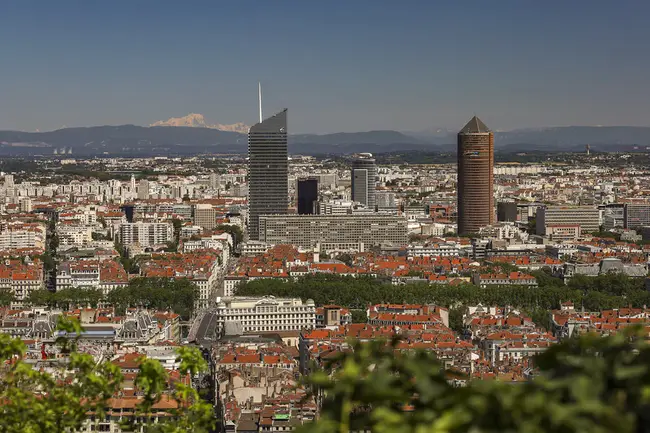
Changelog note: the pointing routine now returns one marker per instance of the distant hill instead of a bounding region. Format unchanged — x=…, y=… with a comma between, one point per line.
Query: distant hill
x=352, y=142
x=605, y=138
x=122, y=140
x=131, y=140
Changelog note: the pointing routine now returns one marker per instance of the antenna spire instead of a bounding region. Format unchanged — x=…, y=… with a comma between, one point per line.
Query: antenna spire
x=259, y=84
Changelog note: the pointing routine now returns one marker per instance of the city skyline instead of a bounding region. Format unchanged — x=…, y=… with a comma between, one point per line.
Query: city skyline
x=381, y=66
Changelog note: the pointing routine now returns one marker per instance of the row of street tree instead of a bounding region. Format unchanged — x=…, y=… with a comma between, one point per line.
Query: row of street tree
x=592, y=293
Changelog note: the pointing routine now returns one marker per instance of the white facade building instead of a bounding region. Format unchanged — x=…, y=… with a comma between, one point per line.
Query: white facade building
x=22, y=235
x=74, y=235
x=146, y=234
x=266, y=314
x=433, y=250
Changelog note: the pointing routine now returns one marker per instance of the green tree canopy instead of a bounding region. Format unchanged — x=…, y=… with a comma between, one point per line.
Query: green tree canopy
x=594, y=293
x=67, y=298
x=177, y=295
x=234, y=230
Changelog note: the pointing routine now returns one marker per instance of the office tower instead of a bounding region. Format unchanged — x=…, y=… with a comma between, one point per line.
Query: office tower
x=507, y=211
x=307, y=190
x=205, y=216
x=475, y=177
x=613, y=216
x=364, y=179
x=268, y=170
x=551, y=219
x=636, y=215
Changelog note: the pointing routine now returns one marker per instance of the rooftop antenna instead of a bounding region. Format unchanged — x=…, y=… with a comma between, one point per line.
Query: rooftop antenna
x=259, y=84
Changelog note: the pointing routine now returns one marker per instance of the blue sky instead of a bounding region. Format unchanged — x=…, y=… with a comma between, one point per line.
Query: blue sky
x=337, y=65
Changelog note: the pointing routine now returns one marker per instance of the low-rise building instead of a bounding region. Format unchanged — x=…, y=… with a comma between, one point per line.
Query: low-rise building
x=203, y=268
x=605, y=266
x=332, y=315
x=568, y=322
x=105, y=275
x=407, y=314
x=510, y=279
x=21, y=278
x=450, y=249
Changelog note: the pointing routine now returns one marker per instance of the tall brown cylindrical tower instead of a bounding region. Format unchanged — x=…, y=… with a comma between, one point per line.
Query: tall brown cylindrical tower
x=475, y=177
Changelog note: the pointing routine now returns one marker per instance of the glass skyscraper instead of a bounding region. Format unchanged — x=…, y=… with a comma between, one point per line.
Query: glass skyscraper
x=364, y=180
x=268, y=170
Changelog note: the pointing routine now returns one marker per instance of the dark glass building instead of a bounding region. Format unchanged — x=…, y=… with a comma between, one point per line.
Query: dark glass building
x=475, y=177
x=507, y=211
x=268, y=170
x=307, y=190
x=128, y=210
x=364, y=180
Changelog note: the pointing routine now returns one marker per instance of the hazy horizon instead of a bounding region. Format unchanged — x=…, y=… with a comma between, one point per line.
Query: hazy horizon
x=417, y=132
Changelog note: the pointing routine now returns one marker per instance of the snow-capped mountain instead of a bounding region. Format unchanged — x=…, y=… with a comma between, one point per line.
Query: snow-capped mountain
x=195, y=120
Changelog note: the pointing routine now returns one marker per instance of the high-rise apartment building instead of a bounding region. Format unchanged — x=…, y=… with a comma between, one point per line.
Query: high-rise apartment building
x=143, y=189
x=205, y=216
x=475, y=177
x=215, y=181
x=364, y=180
x=26, y=205
x=146, y=234
x=268, y=170
x=307, y=192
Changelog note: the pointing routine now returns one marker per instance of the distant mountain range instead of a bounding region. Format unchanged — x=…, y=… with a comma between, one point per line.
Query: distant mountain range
x=188, y=136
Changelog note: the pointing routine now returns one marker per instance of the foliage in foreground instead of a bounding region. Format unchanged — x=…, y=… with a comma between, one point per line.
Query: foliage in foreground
x=590, y=384
x=42, y=401
x=587, y=384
